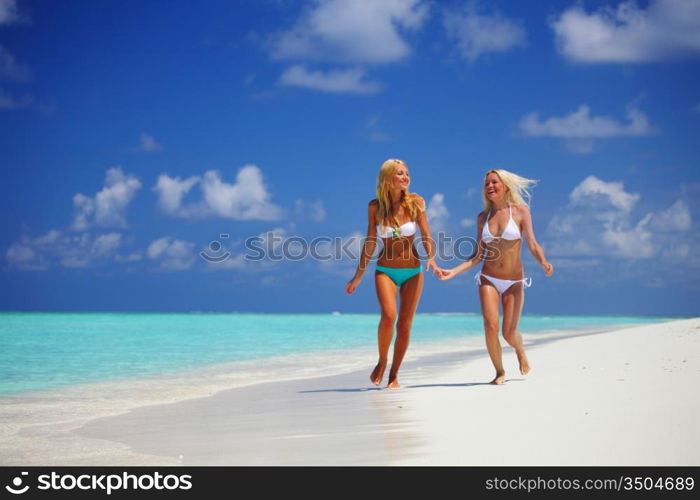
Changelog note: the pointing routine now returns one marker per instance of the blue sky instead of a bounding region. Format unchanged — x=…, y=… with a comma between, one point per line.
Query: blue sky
x=134, y=135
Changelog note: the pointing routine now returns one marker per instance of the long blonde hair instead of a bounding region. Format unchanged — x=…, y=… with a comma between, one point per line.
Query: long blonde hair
x=518, y=188
x=411, y=202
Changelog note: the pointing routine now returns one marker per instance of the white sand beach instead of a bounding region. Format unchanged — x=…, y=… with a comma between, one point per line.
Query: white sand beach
x=625, y=397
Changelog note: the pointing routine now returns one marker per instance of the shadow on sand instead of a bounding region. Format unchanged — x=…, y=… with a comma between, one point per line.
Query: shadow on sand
x=366, y=389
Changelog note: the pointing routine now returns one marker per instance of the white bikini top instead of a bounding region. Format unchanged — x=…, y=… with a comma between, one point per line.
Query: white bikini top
x=408, y=229
x=511, y=232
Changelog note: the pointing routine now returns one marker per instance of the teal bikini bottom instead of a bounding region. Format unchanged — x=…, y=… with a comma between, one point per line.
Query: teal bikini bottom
x=400, y=275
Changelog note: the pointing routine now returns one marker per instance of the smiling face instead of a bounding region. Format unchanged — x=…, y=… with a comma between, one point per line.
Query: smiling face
x=494, y=189
x=400, y=178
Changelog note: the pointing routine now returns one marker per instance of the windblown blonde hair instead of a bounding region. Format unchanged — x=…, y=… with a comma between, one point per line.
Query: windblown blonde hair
x=518, y=188
x=412, y=203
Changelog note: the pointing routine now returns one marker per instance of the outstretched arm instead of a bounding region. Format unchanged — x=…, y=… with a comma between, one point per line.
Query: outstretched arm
x=368, y=248
x=532, y=245
x=476, y=257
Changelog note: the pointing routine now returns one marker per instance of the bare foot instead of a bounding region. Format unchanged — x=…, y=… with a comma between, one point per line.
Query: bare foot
x=500, y=378
x=378, y=373
x=393, y=383
x=524, y=365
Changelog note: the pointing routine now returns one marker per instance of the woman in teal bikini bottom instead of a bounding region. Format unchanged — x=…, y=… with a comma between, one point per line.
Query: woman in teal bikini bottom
x=399, y=275
x=398, y=272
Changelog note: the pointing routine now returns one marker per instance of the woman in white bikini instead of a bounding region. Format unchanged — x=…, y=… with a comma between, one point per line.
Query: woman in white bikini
x=500, y=231
x=395, y=216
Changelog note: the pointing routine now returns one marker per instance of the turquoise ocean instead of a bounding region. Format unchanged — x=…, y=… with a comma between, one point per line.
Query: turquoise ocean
x=42, y=351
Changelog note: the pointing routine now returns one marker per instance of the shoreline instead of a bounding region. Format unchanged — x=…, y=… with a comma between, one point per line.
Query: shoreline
x=280, y=361
x=307, y=413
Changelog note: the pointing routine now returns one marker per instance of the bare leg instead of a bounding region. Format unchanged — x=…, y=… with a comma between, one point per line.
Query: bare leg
x=513, y=300
x=409, y=295
x=489, y=310
x=386, y=294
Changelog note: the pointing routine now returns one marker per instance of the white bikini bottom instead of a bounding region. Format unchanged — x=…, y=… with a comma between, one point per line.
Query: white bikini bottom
x=501, y=285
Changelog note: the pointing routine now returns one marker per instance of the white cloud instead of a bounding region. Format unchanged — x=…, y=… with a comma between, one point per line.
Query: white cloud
x=132, y=257
x=172, y=254
x=598, y=221
x=148, y=143
x=313, y=210
x=246, y=199
x=633, y=243
x=477, y=34
x=8, y=11
x=467, y=222
x=171, y=191
x=10, y=69
x=350, y=31
x=581, y=125
x=333, y=81
x=9, y=102
x=101, y=248
x=437, y=213
x=580, y=128
x=58, y=249
x=22, y=256
x=108, y=206
x=104, y=244
x=347, y=32
x=675, y=218
x=598, y=193
x=666, y=29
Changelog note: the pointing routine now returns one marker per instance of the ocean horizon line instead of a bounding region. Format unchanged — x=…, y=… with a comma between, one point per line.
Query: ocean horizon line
x=337, y=313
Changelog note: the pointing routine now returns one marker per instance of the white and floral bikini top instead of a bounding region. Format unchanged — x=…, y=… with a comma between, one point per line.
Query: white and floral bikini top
x=407, y=229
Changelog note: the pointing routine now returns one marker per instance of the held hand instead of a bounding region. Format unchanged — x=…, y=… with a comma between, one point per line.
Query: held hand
x=548, y=269
x=431, y=265
x=446, y=274
x=352, y=284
